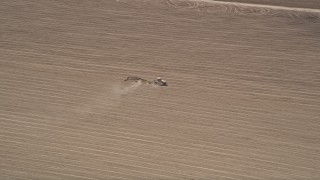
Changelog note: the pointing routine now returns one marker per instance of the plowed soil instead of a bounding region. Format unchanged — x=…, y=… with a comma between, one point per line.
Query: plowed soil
x=242, y=102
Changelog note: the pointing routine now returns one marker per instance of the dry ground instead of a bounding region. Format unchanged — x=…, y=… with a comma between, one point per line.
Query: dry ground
x=314, y=4
x=242, y=101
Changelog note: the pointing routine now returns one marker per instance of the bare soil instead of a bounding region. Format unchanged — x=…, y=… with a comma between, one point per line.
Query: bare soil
x=242, y=102
x=313, y=4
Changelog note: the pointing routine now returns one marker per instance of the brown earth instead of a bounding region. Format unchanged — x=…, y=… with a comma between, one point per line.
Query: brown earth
x=242, y=102
x=314, y=4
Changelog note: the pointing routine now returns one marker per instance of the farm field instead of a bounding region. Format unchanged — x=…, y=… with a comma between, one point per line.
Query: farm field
x=312, y=4
x=242, y=101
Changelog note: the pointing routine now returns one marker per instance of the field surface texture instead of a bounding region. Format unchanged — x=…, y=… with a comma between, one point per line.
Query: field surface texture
x=313, y=4
x=242, y=102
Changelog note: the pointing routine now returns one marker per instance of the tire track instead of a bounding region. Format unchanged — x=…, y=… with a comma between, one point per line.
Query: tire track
x=300, y=14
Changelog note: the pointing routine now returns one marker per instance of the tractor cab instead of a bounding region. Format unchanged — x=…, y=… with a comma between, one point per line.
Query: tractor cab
x=160, y=82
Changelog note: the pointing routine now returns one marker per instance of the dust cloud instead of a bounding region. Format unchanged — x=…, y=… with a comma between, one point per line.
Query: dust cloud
x=107, y=98
x=118, y=90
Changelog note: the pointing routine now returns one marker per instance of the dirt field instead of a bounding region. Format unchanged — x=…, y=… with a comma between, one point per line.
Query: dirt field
x=313, y=4
x=242, y=102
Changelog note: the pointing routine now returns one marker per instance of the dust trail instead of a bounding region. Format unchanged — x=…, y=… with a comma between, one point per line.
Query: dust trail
x=119, y=90
x=108, y=97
